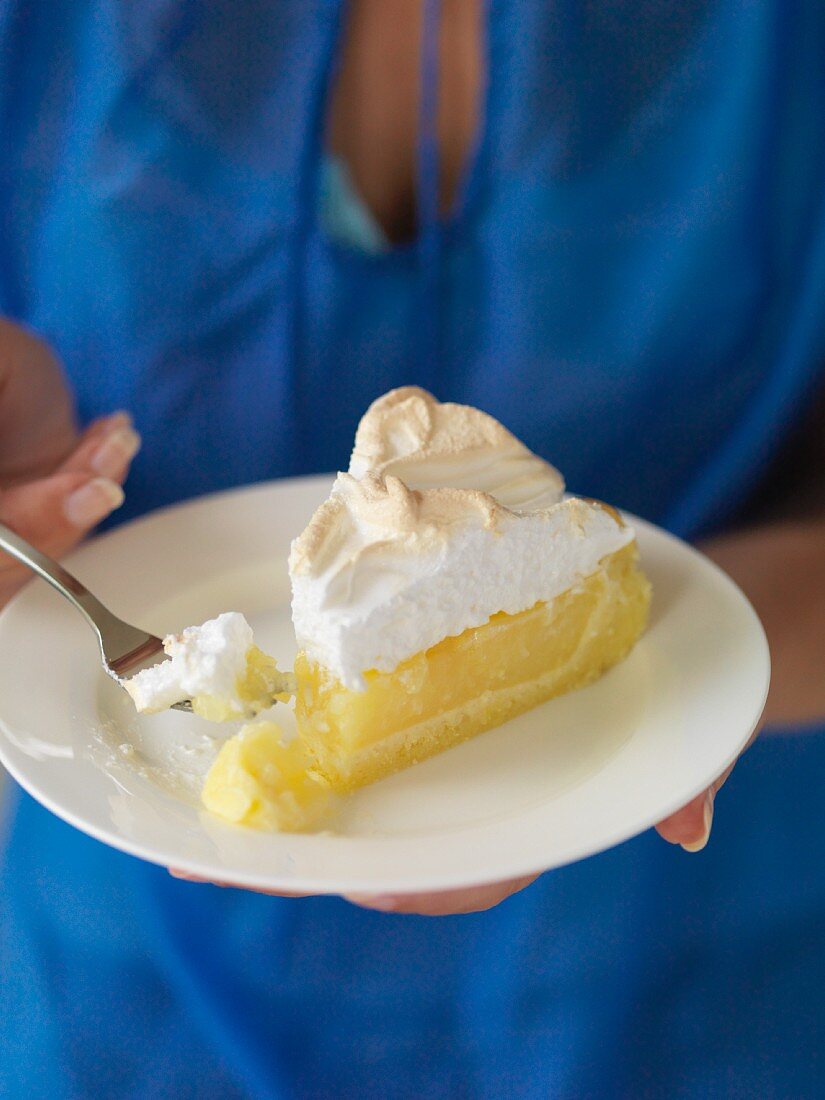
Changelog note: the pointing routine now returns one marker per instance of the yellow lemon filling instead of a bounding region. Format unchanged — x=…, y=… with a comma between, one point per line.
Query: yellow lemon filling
x=260, y=684
x=260, y=781
x=471, y=682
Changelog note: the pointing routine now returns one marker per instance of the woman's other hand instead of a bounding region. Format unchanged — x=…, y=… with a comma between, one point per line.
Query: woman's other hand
x=56, y=484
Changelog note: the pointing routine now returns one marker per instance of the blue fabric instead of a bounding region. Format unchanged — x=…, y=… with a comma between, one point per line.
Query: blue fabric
x=633, y=280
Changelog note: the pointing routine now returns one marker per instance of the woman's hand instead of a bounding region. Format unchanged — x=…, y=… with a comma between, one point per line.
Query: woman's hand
x=55, y=484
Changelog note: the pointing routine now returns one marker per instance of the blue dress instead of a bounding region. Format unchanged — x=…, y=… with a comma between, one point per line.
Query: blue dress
x=633, y=280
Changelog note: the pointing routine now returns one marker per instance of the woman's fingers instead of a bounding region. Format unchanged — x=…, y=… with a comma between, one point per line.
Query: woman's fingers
x=53, y=514
x=690, y=827
x=473, y=899
x=106, y=448
x=442, y=904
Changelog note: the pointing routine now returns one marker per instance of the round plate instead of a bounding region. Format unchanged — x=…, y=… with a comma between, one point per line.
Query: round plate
x=570, y=778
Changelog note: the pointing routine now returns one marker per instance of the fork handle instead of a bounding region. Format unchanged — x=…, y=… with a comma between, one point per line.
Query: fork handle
x=58, y=577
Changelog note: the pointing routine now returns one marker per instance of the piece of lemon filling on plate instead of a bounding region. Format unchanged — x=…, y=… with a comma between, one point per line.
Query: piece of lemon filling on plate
x=426, y=615
x=260, y=780
x=218, y=666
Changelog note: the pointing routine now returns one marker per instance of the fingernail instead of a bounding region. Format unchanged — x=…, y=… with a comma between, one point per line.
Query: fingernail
x=92, y=502
x=118, y=448
x=698, y=845
x=384, y=902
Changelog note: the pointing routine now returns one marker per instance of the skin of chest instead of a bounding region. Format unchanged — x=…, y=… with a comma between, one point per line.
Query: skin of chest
x=373, y=120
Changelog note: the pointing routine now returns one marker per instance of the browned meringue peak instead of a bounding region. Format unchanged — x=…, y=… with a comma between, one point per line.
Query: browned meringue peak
x=429, y=444
x=379, y=510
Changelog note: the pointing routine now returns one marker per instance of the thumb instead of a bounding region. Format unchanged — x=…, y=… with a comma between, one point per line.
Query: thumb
x=53, y=514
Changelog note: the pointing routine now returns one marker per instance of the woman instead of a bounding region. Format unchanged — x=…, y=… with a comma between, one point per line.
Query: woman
x=602, y=223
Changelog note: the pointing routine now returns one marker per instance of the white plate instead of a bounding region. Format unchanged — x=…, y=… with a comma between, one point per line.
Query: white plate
x=568, y=779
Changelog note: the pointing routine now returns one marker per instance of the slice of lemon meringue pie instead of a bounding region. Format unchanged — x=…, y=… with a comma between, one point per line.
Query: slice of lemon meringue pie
x=446, y=586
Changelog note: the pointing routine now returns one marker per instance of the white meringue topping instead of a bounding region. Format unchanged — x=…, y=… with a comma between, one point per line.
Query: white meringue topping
x=205, y=660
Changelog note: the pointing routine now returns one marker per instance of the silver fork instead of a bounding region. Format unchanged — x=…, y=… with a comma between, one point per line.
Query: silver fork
x=124, y=649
